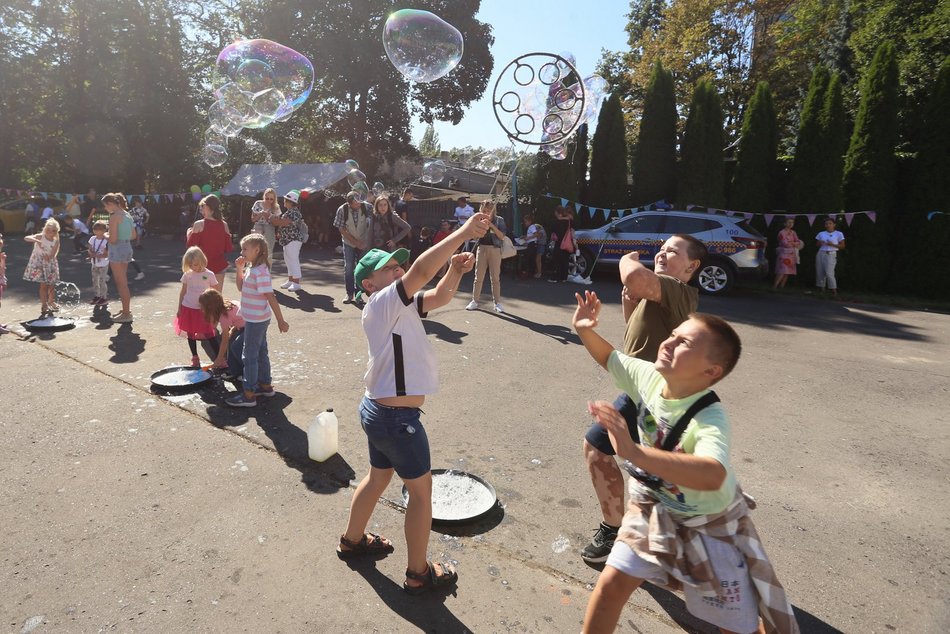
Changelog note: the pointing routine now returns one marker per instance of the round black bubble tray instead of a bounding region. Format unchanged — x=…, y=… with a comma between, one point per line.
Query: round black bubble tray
x=458, y=497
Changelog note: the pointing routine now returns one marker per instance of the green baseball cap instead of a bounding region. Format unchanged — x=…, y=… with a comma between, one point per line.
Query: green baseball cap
x=373, y=260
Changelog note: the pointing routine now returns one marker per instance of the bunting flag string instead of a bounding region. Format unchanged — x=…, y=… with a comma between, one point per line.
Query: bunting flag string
x=66, y=197
x=663, y=205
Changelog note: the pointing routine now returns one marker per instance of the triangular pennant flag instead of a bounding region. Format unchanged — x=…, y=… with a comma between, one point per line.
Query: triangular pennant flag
x=169, y=197
x=872, y=215
x=931, y=214
x=768, y=219
x=811, y=218
x=848, y=218
x=157, y=197
x=564, y=202
x=182, y=196
x=749, y=215
x=577, y=208
x=607, y=213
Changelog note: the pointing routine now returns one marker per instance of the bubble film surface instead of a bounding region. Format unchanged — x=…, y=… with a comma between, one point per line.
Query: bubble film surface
x=433, y=171
x=421, y=45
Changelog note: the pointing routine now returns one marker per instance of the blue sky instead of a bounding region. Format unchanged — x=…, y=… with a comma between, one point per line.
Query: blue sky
x=582, y=27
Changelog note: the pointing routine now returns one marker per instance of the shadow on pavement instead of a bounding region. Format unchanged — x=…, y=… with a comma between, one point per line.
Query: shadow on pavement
x=427, y=612
x=561, y=334
x=307, y=302
x=443, y=332
x=289, y=441
x=126, y=345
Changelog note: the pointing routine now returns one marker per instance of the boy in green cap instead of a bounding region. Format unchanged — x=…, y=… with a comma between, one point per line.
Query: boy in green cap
x=400, y=373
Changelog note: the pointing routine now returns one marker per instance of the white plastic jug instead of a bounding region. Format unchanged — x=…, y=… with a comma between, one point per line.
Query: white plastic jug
x=322, y=436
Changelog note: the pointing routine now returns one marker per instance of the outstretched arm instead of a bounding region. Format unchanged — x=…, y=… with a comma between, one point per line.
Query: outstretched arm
x=444, y=291
x=584, y=322
x=428, y=264
x=638, y=280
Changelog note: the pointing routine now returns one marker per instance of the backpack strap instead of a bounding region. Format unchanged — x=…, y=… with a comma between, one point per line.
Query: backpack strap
x=669, y=442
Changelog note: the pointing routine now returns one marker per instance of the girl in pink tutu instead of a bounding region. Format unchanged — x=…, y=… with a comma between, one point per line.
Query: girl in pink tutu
x=190, y=321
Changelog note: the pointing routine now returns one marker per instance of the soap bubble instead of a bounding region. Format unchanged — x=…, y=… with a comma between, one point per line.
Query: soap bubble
x=378, y=188
x=259, y=81
x=557, y=151
x=351, y=165
x=362, y=190
x=214, y=156
x=355, y=177
x=490, y=163
x=421, y=45
x=220, y=122
x=433, y=171
x=569, y=57
x=216, y=139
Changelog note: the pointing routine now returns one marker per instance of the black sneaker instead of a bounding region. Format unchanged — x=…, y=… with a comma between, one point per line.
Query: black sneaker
x=599, y=548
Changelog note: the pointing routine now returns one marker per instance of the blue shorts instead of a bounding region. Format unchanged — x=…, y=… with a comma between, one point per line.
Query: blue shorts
x=120, y=252
x=597, y=436
x=397, y=440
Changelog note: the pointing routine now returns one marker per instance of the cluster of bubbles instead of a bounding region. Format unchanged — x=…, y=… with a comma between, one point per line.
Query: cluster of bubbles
x=255, y=83
x=543, y=100
x=433, y=171
x=356, y=179
x=421, y=45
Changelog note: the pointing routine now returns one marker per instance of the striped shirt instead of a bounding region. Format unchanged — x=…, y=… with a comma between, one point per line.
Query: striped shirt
x=254, y=306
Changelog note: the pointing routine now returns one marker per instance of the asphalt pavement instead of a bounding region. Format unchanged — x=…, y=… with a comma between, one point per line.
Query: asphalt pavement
x=127, y=511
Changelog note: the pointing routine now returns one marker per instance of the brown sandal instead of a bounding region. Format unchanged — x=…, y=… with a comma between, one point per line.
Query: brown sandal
x=430, y=579
x=369, y=544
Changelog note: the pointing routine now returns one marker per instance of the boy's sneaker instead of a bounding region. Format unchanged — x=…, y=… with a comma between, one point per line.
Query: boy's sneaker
x=241, y=399
x=140, y=276
x=599, y=548
x=498, y=308
x=265, y=389
x=472, y=305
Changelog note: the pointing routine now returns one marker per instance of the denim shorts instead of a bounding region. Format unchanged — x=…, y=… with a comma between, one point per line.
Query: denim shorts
x=397, y=440
x=597, y=436
x=120, y=252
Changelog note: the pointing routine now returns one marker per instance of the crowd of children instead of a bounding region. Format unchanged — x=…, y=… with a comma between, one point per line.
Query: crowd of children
x=687, y=524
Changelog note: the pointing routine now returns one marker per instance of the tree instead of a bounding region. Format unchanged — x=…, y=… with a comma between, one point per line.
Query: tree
x=581, y=162
x=870, y=173
x=804, y=195
x=701, y=164
x=429, y=144
x=608, y=165
x=654, y=163
x=834, y=135
x=755, y=159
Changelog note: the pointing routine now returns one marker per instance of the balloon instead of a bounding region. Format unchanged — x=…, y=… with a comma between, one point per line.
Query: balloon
x=421, y=45
x=206, y=188
x=351, y=165
x=259, y=81
x=355, y=177
x=304, y=194
x=195, y=189
x=433, y=171
x=378, y=188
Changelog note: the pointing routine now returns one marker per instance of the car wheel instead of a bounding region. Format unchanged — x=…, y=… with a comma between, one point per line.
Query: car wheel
x=715, y=278
x=584, y=262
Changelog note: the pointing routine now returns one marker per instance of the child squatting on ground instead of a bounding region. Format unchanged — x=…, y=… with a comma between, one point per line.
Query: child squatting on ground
x=220, y=311
x=687, y=523
x=400, y=373
x=189, y=321
x=258, y=304
x=43, y=266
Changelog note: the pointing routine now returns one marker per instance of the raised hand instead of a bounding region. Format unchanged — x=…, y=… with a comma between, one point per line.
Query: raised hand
x=463, y=262
x=587, y=311
x=605, y=414
x=476, y=226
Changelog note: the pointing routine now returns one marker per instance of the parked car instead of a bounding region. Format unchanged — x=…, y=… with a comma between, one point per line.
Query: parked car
x=736, y=250
x=13, y=212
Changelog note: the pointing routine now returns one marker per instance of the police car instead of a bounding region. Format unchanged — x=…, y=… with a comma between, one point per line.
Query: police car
x=736, y=250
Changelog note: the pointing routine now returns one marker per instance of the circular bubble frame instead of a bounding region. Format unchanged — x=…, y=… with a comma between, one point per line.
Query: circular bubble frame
x=550, y=69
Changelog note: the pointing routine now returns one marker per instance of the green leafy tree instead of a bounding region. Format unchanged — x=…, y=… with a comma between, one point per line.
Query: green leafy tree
x=755, y=160
x=834, y=136
x=701, y=178
x=807, y=167
x=654, y=163
x=429, y=144
x=870, y=173
x=608, y=165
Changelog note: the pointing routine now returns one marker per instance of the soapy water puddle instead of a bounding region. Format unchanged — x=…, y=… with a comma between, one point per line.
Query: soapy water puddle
x=457, y=496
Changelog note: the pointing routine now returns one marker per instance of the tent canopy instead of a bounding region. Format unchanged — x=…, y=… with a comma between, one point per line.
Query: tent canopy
x=251, y=180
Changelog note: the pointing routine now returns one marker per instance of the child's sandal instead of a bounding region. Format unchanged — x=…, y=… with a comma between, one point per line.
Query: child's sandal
x=369, y=544
x=430, y=579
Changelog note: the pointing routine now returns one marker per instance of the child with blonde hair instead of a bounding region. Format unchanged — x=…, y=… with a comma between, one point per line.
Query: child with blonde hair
x=220, y=311
x=43, y=266
x=258, y=304
x=190, y=322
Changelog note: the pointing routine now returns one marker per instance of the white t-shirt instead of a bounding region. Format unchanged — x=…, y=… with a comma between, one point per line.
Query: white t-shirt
x=463, y=213
x=835, y=237
x=401, y=359
x=99, y=246
x=47, y=213
x=79, y=226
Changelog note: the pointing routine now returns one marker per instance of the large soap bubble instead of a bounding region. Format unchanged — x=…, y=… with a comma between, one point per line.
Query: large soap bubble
x=258, y=82
x=362, y=190
x=214, y=155
x=354, y=177
x=433, y=171
x=378, y=188
x=351, y=165
x=421, y=45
